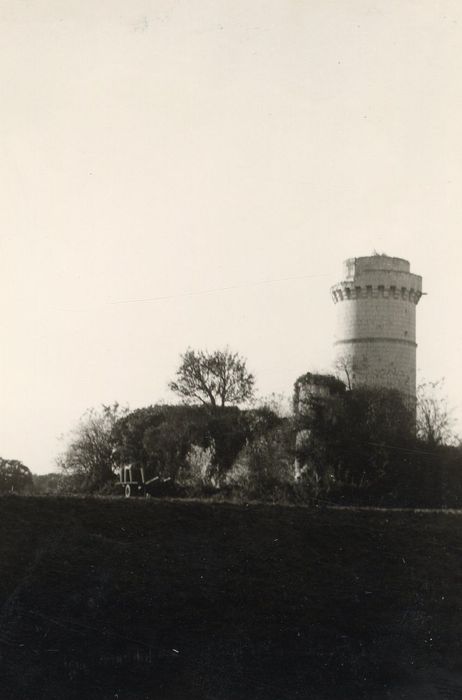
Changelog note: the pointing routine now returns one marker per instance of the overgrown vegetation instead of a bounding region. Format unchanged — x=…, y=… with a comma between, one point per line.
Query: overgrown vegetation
x=339, y=445
x=349, y=447
x=364, y=446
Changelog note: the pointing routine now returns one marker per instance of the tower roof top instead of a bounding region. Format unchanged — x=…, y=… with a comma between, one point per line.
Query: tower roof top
x=374, y=263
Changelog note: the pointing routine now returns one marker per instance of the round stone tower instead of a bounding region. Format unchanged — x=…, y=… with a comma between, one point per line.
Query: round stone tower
x=375, y=342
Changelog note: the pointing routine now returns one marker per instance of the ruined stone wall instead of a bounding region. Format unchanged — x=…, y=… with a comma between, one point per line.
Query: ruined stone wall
x=376, y=322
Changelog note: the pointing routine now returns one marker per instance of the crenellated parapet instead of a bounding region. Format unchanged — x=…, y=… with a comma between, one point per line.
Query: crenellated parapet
x=345, y=291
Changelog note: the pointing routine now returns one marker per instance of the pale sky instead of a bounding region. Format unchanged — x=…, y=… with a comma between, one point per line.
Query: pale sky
x=221, y=158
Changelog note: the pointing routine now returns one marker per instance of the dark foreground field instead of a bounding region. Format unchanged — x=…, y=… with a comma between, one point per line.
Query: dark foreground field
x=168, y=600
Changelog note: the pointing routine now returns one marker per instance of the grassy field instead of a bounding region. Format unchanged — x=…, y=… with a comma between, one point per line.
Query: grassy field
x=174, y=600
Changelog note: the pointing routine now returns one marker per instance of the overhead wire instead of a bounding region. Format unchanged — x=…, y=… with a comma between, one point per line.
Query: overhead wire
x=214, y=290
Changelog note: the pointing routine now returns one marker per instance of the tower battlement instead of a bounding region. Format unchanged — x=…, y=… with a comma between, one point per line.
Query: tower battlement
x=344, y=291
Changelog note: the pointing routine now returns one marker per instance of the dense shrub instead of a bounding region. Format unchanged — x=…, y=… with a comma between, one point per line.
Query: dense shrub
x=170, y=441
x=353, y=441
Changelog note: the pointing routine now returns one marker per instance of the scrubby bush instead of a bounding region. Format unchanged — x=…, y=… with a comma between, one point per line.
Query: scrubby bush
x=265, y=465
x=48, y=484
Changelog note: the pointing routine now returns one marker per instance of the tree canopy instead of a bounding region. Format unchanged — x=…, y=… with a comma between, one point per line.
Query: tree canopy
x=160, y=438
x=14, y=476
x=216, y=378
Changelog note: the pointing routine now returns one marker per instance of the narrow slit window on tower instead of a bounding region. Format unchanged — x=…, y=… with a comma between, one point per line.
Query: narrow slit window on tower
x=392, y=291
x=381, y=290
x=369, y=290
x=403, y=292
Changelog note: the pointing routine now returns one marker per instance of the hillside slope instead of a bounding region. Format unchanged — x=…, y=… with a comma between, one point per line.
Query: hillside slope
x=169, y=600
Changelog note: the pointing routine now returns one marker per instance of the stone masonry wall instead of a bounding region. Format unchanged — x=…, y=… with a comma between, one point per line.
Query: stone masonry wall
x=376, y=322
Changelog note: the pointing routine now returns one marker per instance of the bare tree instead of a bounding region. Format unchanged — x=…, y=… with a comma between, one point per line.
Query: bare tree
x=435, y=423
x=344, y=368
x=89, y=454
x=213, y=379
